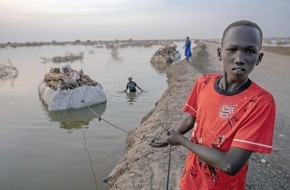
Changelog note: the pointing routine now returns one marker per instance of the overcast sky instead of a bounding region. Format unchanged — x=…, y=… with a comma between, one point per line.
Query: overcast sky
x=69, y=20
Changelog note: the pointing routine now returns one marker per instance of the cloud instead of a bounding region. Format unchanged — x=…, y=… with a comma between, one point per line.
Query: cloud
x=30, y=8
x=110, y=19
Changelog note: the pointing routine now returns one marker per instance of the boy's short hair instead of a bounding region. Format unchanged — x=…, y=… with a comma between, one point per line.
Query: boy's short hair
x=243, y=23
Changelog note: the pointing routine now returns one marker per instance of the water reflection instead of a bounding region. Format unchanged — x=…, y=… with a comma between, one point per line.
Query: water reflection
x=132, y=97
x=10, y=80
x=77, y=118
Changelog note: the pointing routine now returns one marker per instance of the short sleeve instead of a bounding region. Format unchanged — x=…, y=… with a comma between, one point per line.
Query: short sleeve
x=190, y=105
x=256, y=132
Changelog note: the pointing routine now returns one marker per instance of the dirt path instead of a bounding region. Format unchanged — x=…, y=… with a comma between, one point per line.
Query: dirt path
x=274, y=74
x=144, y=167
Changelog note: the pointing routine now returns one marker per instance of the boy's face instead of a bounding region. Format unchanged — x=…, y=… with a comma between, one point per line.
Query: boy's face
x=240, y=52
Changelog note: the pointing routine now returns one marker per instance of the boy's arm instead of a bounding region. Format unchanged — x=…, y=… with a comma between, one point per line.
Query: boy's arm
x=186, y=124
x=230, y=162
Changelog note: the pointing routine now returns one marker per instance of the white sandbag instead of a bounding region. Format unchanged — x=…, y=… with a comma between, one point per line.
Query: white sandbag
x=78, y=97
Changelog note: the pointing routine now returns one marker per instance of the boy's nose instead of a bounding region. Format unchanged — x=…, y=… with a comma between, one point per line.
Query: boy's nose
x=239, y=58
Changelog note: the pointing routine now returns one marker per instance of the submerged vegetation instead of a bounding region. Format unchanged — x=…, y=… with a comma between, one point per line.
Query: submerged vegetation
x=67, y=57
x=8, y=70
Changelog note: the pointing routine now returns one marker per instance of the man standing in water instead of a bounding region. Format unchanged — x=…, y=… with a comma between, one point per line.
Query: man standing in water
x=131, y=85
x=230, y=116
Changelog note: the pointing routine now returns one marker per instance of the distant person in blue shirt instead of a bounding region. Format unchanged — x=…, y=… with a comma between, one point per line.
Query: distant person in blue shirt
x=131, y=85
x=187, y=47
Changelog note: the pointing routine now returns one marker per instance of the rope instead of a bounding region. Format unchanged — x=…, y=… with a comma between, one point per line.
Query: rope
x=90, y=159
x=115, y=126
x=168, y=167
x=125, y=131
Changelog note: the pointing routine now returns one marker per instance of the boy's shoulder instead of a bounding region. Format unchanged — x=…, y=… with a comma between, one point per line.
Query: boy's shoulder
x=261, y=92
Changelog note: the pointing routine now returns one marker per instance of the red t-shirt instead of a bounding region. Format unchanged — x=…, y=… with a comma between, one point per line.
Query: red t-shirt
x=243, y=119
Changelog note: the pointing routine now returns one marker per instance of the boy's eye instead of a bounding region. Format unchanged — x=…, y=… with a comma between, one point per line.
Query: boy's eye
x=250, y=52
x=232, y=50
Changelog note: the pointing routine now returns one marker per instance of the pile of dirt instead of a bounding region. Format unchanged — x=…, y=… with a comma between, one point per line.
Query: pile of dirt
x=166, y=54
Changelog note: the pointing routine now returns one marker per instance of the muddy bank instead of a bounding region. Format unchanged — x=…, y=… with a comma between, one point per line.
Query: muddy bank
x=144, y=167
x=278, y=50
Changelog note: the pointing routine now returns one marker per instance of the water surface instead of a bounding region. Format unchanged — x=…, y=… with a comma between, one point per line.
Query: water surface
x=71, y=149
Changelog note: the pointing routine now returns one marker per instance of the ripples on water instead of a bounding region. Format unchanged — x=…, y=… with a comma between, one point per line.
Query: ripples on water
x=66, y=149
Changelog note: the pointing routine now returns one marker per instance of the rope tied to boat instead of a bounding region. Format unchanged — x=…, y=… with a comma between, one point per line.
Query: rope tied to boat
x=90, y=159
x=168, y=167
x=115, y=126
x=125, y=131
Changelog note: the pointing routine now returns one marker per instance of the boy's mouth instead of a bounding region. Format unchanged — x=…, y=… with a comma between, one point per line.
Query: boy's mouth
x=238, y=70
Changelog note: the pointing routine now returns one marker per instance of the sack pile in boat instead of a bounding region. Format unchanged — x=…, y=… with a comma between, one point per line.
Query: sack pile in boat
x=166, y=54
x=57, y=80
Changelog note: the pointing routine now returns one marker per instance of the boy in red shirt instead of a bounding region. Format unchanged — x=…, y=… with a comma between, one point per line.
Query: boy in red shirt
x=231, y=116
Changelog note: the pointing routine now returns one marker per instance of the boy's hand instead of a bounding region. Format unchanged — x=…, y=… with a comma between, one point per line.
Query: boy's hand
x=174, y=137
x=158, y=143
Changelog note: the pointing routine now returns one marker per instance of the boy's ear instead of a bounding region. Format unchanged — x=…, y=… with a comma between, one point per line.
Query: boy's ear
x=219, y=53
x=260, y=56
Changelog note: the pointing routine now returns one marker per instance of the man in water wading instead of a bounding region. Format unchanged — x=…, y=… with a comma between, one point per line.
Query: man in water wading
x=131, y=85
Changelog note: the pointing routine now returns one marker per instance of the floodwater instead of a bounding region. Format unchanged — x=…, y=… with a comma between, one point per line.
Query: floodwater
x=72, y=149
